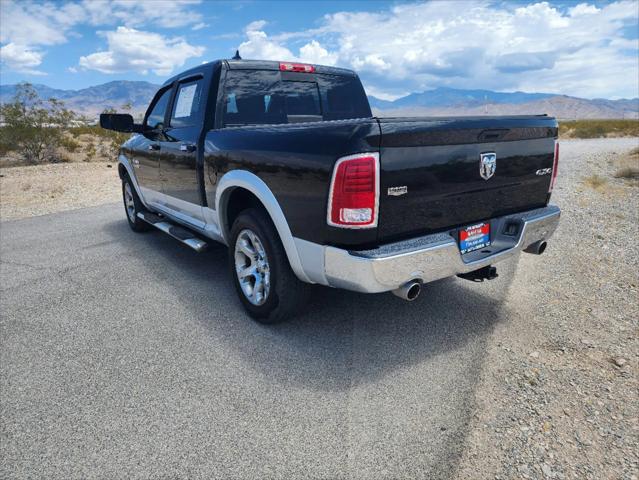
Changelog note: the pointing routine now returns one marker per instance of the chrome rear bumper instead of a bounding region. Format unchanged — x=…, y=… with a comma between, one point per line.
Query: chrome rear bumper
x=426, y=258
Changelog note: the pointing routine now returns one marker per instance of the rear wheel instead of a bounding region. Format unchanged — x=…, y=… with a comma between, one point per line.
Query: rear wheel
x=133, y=205
x=267, y=286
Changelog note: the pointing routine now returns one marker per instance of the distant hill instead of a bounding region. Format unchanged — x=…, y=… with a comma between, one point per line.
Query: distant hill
x=450, y=101
x=440, y=101
x=93, y=100
x=451, y=97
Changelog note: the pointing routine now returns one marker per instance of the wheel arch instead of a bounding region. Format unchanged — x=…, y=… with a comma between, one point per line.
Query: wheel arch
x=244, y=180
x=124, y=168
x=122, y=171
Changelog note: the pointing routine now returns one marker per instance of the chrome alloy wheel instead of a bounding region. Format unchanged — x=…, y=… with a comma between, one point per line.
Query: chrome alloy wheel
x=128, y=202
x=252, y=268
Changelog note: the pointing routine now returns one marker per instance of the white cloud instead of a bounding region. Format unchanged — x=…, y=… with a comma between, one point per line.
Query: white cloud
x=313, y=52
x=139, y=51
x=371, y=61
x=473, y=44
x=260, y=46
x=583, y=9
x=383, y=94
x=21, y=58
x=158, y=13
x=199, y=26
x=256, y=25
x=27, y=25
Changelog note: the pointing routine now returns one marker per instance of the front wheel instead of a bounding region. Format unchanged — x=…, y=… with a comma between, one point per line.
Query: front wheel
x=267, y=286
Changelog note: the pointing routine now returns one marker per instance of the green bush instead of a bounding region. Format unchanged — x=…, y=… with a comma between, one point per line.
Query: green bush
x=69, y=143
x=33, y=126
x=94, y=130
x=5, y=145
x=114, y=140
x=89, y=150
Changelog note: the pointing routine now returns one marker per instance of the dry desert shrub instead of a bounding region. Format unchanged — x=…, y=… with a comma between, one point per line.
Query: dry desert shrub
x=596, y=182
x=598, y=128
x=628, y=166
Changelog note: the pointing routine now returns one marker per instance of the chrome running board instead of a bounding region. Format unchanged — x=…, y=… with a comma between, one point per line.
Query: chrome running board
x=181, y=234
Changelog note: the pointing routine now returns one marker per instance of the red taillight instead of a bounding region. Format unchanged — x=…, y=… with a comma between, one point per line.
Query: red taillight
x=296, y=67
x=354, y=193
x=555, y=166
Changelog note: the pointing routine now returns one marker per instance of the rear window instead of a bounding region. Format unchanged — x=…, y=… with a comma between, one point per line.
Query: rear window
x=255, y=97
x=343, y=97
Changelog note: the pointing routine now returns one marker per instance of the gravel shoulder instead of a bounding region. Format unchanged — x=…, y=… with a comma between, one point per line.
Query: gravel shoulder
x=29, y=191
x=558, y=395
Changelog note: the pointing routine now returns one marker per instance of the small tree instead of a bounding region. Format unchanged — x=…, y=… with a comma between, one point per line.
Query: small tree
x=33, y=126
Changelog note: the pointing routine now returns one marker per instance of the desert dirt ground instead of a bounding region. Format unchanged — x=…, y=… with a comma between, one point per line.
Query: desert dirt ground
x=56, y=187
x=532, y=375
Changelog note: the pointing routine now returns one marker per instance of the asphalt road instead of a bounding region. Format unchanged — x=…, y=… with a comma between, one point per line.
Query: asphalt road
x=127, y=355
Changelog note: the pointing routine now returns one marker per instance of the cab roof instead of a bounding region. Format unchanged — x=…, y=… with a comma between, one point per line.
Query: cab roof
x=254, y=65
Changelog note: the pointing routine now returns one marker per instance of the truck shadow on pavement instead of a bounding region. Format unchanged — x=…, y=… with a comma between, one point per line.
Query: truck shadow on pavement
x=384, y=331
x=378, y=351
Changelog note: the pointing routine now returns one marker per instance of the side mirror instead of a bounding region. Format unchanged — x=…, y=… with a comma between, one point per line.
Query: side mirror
x=120, y=122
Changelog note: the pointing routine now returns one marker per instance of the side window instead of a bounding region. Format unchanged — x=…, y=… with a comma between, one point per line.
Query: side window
x=155, y=119
x=187, y=104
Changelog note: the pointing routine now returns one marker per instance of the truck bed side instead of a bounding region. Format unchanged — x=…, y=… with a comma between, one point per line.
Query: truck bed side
x=296, y=162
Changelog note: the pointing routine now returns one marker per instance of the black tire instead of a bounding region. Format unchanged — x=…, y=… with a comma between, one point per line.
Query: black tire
x=136, y=224
x=287, y=294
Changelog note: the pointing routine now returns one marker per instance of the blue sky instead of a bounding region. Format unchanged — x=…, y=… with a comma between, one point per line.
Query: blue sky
x=575, y=48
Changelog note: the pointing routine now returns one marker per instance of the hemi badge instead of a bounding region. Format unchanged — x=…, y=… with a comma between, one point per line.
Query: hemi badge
x=397, y=191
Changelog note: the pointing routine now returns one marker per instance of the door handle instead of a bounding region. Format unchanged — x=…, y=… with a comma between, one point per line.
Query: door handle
x=185, y=147
x=154, y=146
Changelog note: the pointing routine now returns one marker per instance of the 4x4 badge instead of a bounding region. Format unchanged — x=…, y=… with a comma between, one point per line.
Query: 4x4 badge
x=487, y=165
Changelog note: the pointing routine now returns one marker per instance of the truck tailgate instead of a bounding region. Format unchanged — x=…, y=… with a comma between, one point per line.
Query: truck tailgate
x=438, y=163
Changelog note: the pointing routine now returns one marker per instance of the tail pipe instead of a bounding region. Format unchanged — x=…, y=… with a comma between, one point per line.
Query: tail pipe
x=537, y=248
x=409, y=291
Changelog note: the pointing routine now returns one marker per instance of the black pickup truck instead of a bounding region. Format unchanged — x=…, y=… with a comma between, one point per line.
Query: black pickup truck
x=285, y=164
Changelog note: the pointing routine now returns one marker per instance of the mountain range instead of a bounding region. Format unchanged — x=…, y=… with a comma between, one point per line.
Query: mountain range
x=440, y=101
x=451, y=101
x=93, y=100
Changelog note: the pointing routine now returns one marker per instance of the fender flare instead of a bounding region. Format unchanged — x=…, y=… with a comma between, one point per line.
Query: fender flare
x=254, y=184
x=124, y=161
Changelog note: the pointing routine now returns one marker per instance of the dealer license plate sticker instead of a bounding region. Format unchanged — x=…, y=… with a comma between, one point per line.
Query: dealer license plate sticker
x=474, y=237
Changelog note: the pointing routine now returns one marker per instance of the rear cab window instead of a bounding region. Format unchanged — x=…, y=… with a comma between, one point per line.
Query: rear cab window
x=188, y=104
x=257, y=97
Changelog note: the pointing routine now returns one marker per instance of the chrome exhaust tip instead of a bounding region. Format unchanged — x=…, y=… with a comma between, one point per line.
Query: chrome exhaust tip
x=409, y=291
x=537, y=248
